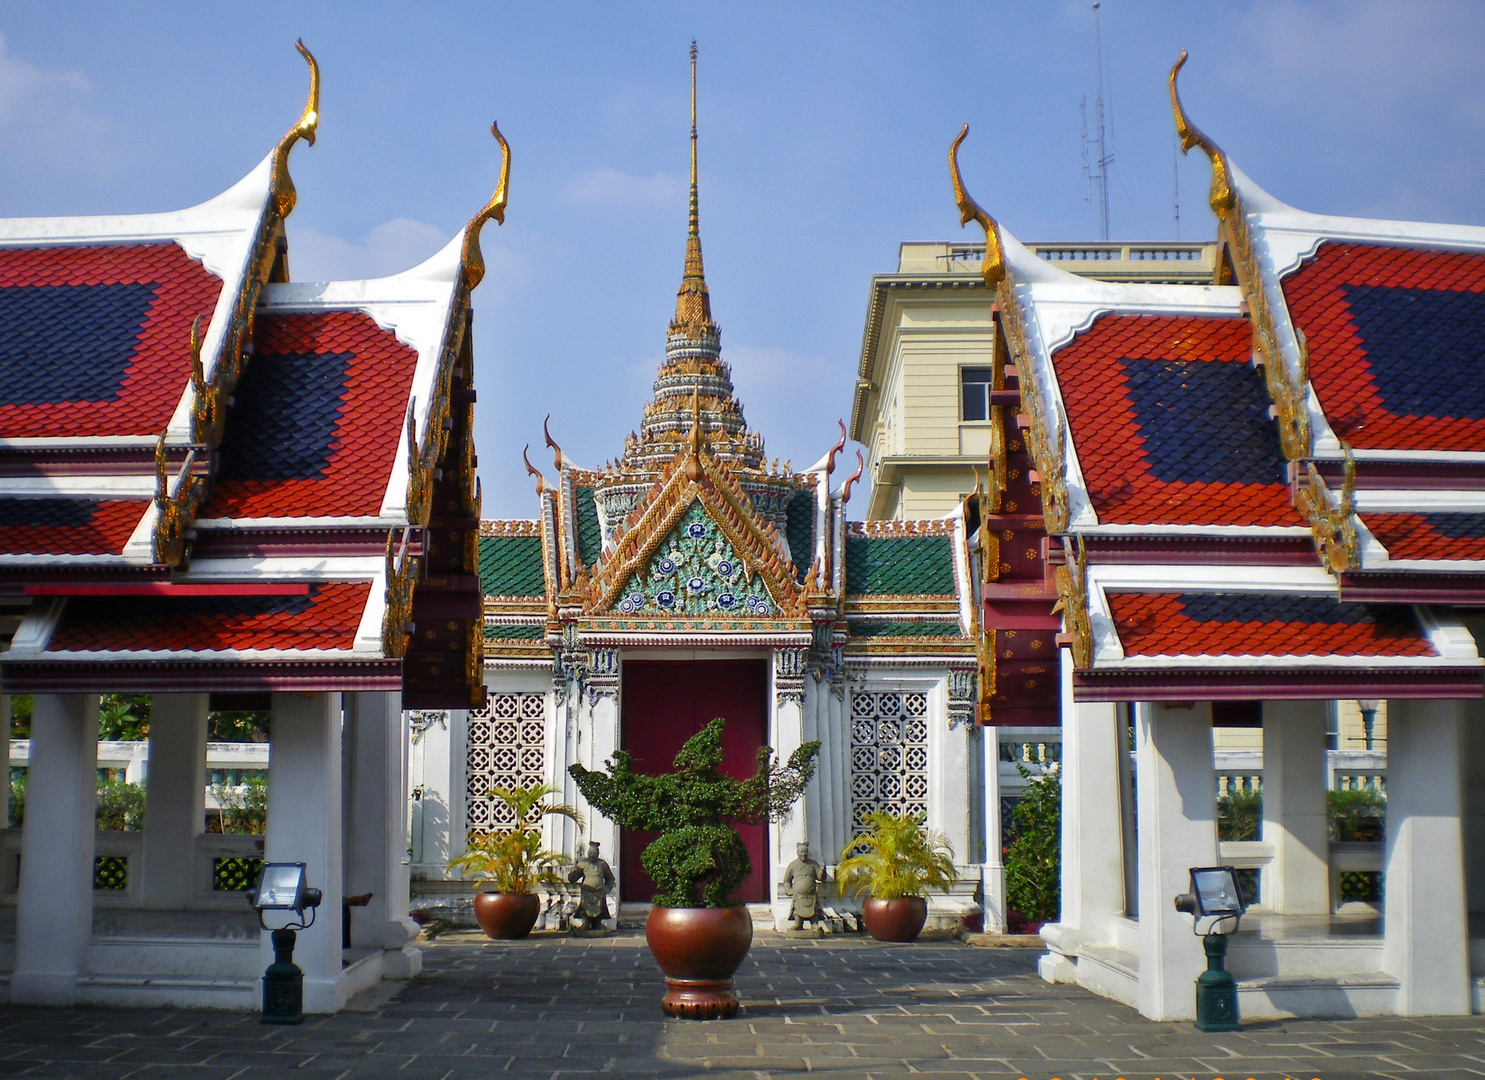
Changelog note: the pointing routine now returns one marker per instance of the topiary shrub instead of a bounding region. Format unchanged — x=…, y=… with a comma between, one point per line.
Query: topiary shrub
x=1240, y=815
x=698, y=860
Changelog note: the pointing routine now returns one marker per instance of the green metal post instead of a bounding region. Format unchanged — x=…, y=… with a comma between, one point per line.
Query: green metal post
x=283, y=983
x=1216, y=989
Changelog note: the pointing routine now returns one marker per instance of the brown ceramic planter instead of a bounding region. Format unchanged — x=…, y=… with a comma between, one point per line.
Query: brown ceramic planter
x=506, y=915
x=699, y=949
x=895, y=920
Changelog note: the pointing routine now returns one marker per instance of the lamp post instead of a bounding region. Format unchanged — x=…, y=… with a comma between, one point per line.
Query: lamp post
x=1214, y=895
x=1368, y=709
x=281, y=887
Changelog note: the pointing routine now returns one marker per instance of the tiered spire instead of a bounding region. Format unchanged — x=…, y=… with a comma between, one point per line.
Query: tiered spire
x=693, y=306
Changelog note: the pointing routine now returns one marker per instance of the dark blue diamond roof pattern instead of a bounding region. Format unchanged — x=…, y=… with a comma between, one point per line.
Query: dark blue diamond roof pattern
x=68, y=342
x=1268, y=607
x=284, y=419
x=1425, y=348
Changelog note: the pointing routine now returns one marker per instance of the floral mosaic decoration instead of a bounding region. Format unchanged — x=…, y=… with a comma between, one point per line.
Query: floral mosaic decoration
x=695, y=572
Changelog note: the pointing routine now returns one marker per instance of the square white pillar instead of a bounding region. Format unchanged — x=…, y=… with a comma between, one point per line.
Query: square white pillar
x=786, y=735
x=1425, y=929
x=992, y=872
x=376, y=860
x=1176, y=791
x=1092, y=847
x=175, y=799
x=1474, y=807
x=304, y=825
x=1297, y=881
x=54, y=916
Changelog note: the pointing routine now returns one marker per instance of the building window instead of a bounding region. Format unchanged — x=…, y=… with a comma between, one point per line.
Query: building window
x=889, y=754
x=974, y=392
x=505, y=750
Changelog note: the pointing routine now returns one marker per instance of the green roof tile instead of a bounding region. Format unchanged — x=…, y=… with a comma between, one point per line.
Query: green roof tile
x=515, y=632
x=589, y=535
x=511, y=566
x=899, y=565
x=799, y=530
x=918, y=628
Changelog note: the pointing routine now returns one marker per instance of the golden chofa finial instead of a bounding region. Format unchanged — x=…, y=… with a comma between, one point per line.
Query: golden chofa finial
x=993, y=267
x=474, y=261
x=1221, y=198
x=532, y=470
x=693, y=463
x=284, y=195
x=552, y=443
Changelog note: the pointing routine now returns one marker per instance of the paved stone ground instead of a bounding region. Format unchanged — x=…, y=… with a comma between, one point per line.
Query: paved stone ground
x=848, y=1008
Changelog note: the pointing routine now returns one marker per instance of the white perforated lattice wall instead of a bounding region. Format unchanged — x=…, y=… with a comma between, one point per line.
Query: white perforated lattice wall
x=889, y=754
x=505, y=749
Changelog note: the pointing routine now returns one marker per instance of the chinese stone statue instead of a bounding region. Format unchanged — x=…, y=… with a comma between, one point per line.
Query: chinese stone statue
x=595, y=880
x=802, y=880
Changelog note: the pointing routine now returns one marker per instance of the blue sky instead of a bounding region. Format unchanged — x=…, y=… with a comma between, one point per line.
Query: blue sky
x=823, y=136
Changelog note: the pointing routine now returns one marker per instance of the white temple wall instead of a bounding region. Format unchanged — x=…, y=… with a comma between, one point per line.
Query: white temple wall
x=436, y=784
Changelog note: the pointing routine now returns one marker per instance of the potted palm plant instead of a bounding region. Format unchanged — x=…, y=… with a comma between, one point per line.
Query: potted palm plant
x=510, y=863
x=697, y=933
x=897, y=861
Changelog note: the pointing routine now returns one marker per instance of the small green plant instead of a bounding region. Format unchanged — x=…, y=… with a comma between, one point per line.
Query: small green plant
x=1356, y=815
x=1240, y=815
x=1033, y=857
x=124, y=717
x=242, y=809
x=17, y=798
x=120, y=805
x=699, y=859
x=513, y=860
x=895, y=857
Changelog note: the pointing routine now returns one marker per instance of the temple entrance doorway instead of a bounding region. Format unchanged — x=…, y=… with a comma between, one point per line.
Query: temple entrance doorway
x=665, y=702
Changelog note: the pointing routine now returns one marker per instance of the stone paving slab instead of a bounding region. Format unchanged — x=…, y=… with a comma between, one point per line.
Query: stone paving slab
x=846, y=1008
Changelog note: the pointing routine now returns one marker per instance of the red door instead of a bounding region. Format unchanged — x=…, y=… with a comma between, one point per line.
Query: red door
x=666, y=702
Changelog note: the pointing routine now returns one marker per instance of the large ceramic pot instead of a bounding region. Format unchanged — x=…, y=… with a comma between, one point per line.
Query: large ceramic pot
x=901, y=919
x=506, y=915
x=699, y=949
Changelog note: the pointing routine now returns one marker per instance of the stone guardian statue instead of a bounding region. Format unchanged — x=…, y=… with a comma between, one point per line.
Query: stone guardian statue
x=595, y=880
x=802, y=880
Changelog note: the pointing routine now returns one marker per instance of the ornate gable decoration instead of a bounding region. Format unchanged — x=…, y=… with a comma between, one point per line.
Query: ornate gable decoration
x=697, y=550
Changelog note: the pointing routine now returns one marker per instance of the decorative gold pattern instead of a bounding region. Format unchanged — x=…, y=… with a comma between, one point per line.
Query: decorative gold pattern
x=471, y=257
x=1333, y=523
x=1223, y=198
x=402, y=574
x=1072, y=602
x=284, y=195
x=176, y=511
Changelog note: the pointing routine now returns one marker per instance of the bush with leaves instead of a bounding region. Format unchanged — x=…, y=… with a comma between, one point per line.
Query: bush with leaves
x=1033, y=857
x=895, y=857
x=17, y=798
x=124, y=717
x=1356, y=815
x=513, y=861
x=1240, y=815
x=698, y=860
x=120, y=805
x=242, y=810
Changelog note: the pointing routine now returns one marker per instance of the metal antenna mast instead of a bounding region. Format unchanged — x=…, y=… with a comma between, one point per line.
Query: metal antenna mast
x=1105, y=158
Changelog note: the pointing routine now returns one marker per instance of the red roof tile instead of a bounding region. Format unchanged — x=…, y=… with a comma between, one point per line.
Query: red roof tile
x=1429, y=536
x=1170, y=424
x=1260, y=624
x=338, y=385
x=67, y=526
x=324, y=619
x=122, y=372
x=1395, y=343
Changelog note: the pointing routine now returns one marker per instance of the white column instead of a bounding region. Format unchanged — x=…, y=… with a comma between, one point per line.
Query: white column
x=5, y=719
x=54, y=916
x=1297, y=881
x=598, y=732
x=1425, y=929
x=175, y=799
x=992, y=873
x=1474, y=809
x=376, y=860
x=436, y=835
x=1176, y=790
x=304, y=825
x=786, y=737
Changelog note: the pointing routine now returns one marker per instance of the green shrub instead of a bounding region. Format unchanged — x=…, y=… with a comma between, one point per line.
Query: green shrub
x=17, y=798
x=124, y=717
x=1240, y=815
x=513, y=861
x=1356, y=815
x=120, y=805
x=698, y=860
x=242, y=811
x=1033, y=857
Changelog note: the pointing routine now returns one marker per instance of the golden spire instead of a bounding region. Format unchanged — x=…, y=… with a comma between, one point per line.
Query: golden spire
x=693, y=307
x=993, y=267
x=1222, y=198
x=284, y=196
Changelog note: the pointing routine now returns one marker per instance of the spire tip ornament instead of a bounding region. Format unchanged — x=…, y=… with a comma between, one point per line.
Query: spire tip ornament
x=284, y=195
x=992, y=269
x=473, y=260
x=1221, y=198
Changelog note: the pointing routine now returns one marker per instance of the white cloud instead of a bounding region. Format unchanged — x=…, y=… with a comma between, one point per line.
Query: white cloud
x=605, y=186
x=390, y=248
x=26, y=88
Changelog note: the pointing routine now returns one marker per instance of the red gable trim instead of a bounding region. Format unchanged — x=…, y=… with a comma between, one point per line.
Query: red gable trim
x=172, y=677
x=168, y=589
x=1288, y=684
